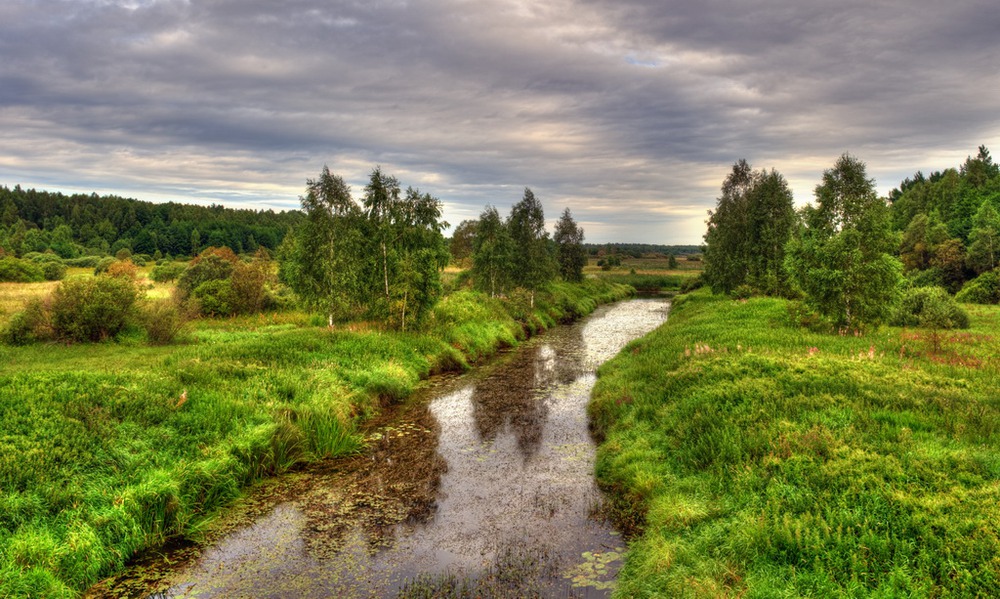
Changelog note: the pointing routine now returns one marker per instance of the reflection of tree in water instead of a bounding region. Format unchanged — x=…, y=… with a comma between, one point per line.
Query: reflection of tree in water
x=513, y=396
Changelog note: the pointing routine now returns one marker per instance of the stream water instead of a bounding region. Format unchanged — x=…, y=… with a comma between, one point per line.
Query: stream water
x=483, y=485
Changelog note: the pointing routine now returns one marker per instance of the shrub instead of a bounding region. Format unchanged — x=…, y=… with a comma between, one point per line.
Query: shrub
x=27, y=326
x=162, y=320
x=13, y=270
x=929, y=307
x=213, y=264
x=984, y=289
x=83, y=262
x=166, y=272
x=215, y=297
x=123, y=268
x=93, y=309
x=43, y=258
x=249, y=284
x=742, y=292
x=102, y=265
x=692, y=283
x=54, y=271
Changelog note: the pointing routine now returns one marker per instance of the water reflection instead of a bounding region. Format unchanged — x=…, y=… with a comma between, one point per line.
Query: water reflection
x=519, y=473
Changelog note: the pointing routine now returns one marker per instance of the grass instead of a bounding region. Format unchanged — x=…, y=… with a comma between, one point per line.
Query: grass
x=110, y=449
x=757, y=459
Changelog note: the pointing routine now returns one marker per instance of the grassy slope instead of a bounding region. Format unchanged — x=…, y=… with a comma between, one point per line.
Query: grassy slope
x=768, y=461
x=108, y=449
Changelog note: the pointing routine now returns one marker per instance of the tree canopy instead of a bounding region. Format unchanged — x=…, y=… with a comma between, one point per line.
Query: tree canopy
x=842, y=259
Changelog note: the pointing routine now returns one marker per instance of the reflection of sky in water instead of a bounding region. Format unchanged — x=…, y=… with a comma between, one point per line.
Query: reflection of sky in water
x=520, y=471
x=604, y=337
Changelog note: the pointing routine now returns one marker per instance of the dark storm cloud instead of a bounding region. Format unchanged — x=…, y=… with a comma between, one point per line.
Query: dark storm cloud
x=629, y=112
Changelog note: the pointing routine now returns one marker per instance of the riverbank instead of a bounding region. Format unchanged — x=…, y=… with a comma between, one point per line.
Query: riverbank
x=110, y=449
x=755, y=458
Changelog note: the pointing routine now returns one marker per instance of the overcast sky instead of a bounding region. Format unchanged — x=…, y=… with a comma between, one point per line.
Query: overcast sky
x=629, y=112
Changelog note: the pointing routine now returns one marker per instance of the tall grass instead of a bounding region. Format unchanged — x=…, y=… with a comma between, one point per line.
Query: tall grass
x=761, y=460
x=112, y=448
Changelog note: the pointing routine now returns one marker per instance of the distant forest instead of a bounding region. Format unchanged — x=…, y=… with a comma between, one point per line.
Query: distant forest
x=81, y=224
x=638, y=250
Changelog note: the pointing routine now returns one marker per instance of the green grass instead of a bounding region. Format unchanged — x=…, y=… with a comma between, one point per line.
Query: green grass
x=110, y=449
x=758, y=459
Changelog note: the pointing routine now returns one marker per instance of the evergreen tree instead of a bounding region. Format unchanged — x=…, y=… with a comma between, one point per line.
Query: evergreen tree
x=570, y=254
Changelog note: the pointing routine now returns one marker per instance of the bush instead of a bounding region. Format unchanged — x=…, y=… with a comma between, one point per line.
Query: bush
x=166, y=272
x=13, y=270
x=123, y=268
x=102, y=265
x=54, y=271
x=93, y=309
x=213, y=264
x=27, y=326
x=742, y=292
x=215, y=298
x=162, y=320
x=42, y=258
x=691, y=284
x=83, y=262
x=984, y=289
x=929, y=307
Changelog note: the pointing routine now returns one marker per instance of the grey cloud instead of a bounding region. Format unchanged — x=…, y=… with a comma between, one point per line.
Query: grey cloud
x=629, y=112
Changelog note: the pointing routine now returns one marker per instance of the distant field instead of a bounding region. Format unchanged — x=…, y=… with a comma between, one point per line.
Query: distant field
x=13, y=296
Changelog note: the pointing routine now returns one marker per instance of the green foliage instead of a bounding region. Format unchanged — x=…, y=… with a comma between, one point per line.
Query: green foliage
x=381, y=260
x=162, y=320
x=93, y=309
x=984, y=240
x=929, y=307
x=841, y=259
x=984, y=289
x=748, y=230
x=14, y=270
x=54, y=271
x=212, y=264
x=166, y=272
x=762, y=460
x=109, y=450
x=83, y=262
x=102, y=265
x=27, y=326
x=532, y=265
x=215, y=298
x=461, y=243
x=88, y=223
x=570, y=254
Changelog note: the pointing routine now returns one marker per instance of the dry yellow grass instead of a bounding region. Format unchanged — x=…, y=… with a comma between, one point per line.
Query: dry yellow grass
x=14, y=296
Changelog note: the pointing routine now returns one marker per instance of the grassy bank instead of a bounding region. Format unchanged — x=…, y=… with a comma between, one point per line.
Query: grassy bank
x=761, y=460
x=109, y=449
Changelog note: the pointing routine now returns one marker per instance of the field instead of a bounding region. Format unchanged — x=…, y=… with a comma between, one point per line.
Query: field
x=109, y=449
x=754, y=458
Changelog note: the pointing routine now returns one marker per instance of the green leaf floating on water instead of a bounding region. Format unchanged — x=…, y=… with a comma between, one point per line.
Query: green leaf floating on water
x=594, y=571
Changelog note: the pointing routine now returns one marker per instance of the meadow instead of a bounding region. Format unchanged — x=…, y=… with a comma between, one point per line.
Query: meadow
x=113, y=448
x=752, y=457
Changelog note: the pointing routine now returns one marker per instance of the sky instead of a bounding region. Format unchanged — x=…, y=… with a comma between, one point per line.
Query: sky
x=628, y=112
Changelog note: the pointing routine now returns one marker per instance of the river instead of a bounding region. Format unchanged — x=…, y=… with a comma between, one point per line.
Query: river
x=481, y=485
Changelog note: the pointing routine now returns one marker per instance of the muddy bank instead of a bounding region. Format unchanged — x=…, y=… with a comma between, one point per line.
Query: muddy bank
x=479, y=485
